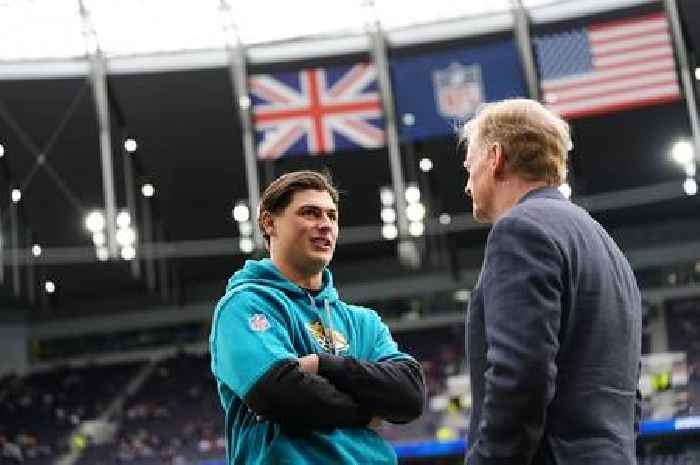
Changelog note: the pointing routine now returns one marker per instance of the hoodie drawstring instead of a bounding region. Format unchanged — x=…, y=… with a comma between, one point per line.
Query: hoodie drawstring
x=329, y=318
x=327, y=304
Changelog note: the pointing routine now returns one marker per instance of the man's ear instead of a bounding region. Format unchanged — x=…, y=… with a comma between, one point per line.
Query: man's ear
x=497, y=159
x=268, y=223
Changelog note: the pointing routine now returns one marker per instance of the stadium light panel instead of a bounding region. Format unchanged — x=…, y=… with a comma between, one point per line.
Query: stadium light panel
x=682, y=152
x=690, y=186
x=416, y=228
x=390, y=231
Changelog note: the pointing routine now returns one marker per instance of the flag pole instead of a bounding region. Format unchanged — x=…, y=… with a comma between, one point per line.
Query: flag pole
x=238, y=69
x=686, y=78
x=521, y=25
x=378, y=52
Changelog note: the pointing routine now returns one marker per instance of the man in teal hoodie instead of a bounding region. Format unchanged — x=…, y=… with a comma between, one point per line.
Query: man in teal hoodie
x=301, y=375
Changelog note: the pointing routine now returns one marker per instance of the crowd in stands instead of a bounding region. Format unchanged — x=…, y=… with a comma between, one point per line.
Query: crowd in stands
x=38, y=412
x=174, y=417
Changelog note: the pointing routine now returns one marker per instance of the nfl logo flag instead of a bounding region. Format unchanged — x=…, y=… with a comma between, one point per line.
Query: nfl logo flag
x=317, y=111
x=607, y=67
x=436, y=91
x=458, y=90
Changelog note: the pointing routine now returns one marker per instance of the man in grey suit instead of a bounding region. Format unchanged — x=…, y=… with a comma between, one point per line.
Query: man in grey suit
x=555, y=320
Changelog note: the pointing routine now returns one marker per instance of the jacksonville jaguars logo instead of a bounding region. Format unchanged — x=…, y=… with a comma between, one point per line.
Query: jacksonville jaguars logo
x=316, y=330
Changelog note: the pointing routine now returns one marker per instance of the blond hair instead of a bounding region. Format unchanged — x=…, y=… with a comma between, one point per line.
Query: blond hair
x=535, y=140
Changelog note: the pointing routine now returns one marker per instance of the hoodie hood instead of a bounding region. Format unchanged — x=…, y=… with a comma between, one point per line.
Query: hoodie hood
x=265, y=273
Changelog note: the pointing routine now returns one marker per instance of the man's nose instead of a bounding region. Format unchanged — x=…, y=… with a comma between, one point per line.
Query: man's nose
x=324, y=222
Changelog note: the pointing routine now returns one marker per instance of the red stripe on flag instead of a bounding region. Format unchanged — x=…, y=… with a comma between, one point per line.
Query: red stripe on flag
x=611, y=108
x=316, y=111
x=603, y=80
x=262, y=116
x=626, y=22
x=631, y=49
x=666, y=53
x=616, y=91
x=659, y=29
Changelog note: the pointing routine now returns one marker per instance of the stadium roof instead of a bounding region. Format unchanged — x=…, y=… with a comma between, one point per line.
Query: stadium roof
x=170, y=89
x=51, y=38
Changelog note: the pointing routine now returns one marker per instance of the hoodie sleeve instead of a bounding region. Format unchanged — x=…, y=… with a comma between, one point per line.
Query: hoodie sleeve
x=390, y=384
x=248, y=337
x=253, y=355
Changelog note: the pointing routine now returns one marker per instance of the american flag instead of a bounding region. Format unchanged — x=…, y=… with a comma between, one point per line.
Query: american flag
x=607, y=67
x=317, y=111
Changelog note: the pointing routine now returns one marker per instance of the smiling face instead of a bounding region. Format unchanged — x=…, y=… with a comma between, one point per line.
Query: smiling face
x=304, y=234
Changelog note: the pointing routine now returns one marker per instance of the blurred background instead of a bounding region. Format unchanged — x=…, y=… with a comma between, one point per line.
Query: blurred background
x=137, y=135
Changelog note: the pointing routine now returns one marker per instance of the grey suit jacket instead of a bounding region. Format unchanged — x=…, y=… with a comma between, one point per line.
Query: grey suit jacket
x=553, y=339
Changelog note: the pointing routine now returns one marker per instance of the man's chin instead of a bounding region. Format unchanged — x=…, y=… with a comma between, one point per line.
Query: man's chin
x=481, y=217
x=318, y=261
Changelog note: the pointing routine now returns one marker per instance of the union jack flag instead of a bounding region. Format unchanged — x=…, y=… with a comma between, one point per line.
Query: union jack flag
x=316, y=111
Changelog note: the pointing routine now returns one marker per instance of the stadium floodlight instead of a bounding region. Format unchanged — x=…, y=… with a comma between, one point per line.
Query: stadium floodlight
x=36, y=250
x=412, y=193
x=245, y=244
x=102, y=254
x=95, y=221
x=130, y=145
x=416, y=228
x=99, y=239
x=148, y=190
x=50, y=287
x=388, y=215
x=425, y=164
x=126, y=237
x=123, y=219
x=682, y=152
x=690, y=169
x=16, y=195
x=128, y=252
x=245, y=228
x=415, y=212
x=690, y=186
x=390, y=231
x=565, y=189
x=241, y=212
x=386, y=196
x=462, y=295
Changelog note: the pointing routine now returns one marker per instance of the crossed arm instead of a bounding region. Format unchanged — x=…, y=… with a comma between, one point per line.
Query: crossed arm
x=327, y=391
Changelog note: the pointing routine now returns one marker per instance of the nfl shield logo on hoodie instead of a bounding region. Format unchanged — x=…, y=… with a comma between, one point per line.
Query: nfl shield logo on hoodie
x=258, y=322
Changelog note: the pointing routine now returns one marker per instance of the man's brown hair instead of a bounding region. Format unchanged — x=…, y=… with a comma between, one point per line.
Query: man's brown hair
x=279, y=193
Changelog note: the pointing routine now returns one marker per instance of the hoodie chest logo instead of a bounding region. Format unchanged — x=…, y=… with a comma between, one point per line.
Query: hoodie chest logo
x=317, y=331
x=259, y=323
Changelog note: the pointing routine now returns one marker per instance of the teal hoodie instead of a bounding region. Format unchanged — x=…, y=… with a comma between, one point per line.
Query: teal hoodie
x=263, y=319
